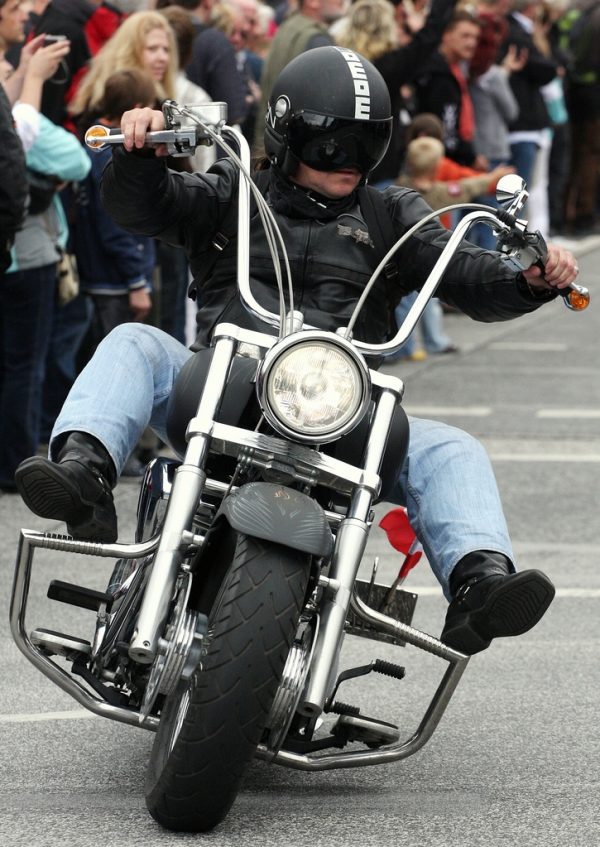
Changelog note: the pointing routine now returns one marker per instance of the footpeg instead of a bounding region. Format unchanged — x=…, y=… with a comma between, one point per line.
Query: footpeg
x=77, y=595
x=373, y=733
x=389, y=669
x=58, y=644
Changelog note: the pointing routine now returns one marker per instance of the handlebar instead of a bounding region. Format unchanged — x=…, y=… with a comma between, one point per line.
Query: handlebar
x=181, y=140
x=206, y=123
x=525, y=249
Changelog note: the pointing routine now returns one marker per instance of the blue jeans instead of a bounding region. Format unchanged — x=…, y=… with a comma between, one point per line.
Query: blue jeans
x=446, y=483
x=523, y=155
x=430, y=325
x=26, y=308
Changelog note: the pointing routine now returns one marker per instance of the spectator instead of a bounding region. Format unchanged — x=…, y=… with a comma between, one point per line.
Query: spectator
x=494, y=104
x=28, y=287
x=186, y=91
x=172, y=262
x=580, y=28
x=442, y=88
x=115, y=267
x=303, y=30
x=423, y=157
x=555, y=99
x=212, y=65
x=371, y=29
x=238, y=19
x=13, y=185
x=527, y=131
x=144, y=41
x=428, y=124
x=87, y=25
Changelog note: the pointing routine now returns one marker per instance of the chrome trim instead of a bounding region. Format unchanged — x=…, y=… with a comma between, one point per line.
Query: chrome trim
x=29, y=540
x=352, y=759
x=186, y=492
x=228, y=440
x=301, y=339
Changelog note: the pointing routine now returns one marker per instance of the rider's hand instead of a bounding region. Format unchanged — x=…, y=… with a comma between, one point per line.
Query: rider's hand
x=559, y=271
x=140, y=303
x=136, y=123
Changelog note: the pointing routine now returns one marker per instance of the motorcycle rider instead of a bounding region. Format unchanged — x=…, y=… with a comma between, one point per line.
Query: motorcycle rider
x=327, y=127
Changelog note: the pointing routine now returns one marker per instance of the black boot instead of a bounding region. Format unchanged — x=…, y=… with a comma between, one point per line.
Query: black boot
x=490, y=601
x=76, y=489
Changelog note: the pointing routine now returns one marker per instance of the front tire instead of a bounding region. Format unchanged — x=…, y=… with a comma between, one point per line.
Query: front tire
x=210, y=727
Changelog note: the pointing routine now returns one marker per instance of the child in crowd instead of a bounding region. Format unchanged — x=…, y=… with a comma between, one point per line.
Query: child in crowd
x=423, y=163
x=422, y=166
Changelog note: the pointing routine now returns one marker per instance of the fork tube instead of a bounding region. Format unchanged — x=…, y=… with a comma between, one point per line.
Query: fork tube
x=349, y=549
x=185, y=494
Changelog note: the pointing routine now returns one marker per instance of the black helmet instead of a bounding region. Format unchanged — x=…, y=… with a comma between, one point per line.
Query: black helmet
x=329, y=108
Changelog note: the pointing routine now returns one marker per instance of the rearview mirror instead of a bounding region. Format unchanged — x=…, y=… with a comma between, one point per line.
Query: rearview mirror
x=511, y=189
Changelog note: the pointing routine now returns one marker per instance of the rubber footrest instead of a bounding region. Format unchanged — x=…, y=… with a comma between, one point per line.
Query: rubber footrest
x=77, y=595
x=389, y=669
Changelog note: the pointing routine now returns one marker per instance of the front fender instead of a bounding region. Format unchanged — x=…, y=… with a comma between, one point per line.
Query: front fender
x=276, y=513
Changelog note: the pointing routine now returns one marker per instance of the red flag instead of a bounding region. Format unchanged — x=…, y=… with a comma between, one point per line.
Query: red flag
x=402, y=538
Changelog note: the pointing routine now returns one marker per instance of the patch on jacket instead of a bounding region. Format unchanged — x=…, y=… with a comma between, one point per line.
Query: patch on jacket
x=359, y=235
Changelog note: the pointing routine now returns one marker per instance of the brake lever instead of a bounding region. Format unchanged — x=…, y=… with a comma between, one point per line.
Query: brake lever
x=525, y=249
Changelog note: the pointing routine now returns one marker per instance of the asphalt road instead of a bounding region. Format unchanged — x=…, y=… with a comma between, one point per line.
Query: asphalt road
x=515, y=761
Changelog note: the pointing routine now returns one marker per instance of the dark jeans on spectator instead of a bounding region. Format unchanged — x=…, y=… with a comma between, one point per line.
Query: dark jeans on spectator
x=174, y=282
x=523, y=155
x=110, y=310
x=26, y=307
x=69, y=327
x=585, y=162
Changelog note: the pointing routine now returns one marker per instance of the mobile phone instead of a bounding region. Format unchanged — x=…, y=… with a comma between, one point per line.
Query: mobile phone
x=52, y=39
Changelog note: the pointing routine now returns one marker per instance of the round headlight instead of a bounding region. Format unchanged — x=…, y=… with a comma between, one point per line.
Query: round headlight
x=314, y=389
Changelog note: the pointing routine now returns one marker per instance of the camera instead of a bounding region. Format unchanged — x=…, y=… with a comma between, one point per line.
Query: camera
x=52, y=39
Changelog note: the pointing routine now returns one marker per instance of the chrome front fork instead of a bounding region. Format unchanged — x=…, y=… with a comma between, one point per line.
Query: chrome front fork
x=188, y=485
x=338, y=586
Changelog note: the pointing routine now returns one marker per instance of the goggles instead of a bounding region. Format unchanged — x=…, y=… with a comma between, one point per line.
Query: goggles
x=329, y=144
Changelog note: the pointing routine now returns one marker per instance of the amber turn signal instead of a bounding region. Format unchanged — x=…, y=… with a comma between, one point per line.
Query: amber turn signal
x=577, y=297
x=95, y=136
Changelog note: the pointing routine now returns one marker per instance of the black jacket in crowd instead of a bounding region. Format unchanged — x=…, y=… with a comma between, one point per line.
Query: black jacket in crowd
x=538, y=71
x=438, y=91
x=401, y=66
x=13, y=182
x=330, y=251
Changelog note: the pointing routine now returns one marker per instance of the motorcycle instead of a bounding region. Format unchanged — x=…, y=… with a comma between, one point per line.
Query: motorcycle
x=221, y=627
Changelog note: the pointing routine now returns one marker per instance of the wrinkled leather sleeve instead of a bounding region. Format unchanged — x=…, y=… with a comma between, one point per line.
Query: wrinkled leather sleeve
x=145, y=197
x=478, y=282
x=142, y=195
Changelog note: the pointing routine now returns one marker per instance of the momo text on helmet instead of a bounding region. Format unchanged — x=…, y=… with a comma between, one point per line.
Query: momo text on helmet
x=330, y=109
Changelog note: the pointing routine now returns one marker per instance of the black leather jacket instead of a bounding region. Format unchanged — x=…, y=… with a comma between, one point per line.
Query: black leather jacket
x=331, y=254
x=13, y=185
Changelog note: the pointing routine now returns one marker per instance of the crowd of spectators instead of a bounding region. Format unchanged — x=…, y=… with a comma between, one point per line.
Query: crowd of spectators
x=496, y=85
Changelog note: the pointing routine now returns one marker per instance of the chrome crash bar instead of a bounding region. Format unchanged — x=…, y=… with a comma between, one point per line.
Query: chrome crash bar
x=457, y=664
x=29, y=540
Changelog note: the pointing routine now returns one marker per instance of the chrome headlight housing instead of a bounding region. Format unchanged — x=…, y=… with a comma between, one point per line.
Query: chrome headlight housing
x=313, y=387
